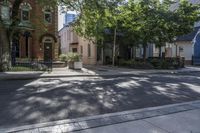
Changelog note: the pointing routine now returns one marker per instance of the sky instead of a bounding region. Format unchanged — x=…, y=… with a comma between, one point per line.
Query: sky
x=61, y=17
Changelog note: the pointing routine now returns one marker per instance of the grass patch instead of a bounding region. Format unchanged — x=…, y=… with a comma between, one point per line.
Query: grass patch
x=21, y=68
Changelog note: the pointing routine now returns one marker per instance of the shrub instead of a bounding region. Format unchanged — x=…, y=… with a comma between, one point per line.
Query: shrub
x=155, y=62
x=125, y=62
x=73, y=57
x=135, y=64
x=63, y=57
x=165, y=64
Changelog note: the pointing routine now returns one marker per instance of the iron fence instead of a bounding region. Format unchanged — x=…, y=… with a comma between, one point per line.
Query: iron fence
x=30, y=65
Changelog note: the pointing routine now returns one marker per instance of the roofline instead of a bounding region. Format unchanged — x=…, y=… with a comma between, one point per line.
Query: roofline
x=63, y=27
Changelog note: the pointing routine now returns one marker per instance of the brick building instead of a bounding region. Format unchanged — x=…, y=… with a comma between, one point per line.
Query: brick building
x=36, y=37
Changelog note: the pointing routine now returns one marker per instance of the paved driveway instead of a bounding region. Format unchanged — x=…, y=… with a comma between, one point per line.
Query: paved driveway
x=34, y=101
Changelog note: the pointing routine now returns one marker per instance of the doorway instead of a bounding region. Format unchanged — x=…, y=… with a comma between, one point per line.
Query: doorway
x=47, y=51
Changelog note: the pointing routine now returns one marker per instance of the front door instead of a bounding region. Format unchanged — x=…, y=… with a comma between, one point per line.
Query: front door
x=47, y=51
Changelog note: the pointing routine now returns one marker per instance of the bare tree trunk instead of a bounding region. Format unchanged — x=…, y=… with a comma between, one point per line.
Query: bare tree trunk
x=160, y=52
x=102, y=52
x=144, y=52
x=134, y=55
x=114, y=47
x=5, y=61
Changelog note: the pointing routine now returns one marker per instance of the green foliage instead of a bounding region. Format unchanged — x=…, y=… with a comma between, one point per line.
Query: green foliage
x=153, y=63
x=73, y=57
x=22, y=68
x=63, y=57
x=93, y=17
x=135, y=64
x=70, y=57
x=166, y=63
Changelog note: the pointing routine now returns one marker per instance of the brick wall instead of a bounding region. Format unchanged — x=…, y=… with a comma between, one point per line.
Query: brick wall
x=40, y=28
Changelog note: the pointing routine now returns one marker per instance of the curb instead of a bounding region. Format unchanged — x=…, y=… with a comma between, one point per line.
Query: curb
x=83, y=123
x=40, y=77
x=89, y=74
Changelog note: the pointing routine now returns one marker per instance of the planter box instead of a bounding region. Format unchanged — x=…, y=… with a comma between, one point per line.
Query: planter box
x=78, y=65
x=71, y=65
x=75, y=65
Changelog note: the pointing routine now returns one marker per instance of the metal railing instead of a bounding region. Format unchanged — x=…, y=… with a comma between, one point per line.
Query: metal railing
x=30, y=65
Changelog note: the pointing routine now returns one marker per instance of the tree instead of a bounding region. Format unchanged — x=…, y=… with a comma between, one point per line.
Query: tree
x=94, y=17
x=173, y=23
x=139, y=18
x=6, y=31
x=152, y=21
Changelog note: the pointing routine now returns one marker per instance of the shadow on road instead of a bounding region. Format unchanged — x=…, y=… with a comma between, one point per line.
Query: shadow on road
x=42, y=100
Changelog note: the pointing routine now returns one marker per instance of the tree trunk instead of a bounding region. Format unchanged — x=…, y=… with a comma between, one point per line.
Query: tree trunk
x=160, y=50
x=134, y=53
x=144, y=52
x=5, y=61
x=114, y=47
x=102, y=52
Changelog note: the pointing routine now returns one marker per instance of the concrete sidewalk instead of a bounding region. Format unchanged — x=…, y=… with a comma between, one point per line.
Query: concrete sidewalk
x=176, y=118
x=110, y=70
x=90, y=70
x=57, y=72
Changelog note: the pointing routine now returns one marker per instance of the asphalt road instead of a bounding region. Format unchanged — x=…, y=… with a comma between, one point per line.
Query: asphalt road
x=35, y=101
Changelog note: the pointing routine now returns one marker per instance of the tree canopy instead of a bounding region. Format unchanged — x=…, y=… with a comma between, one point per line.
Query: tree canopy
x=145, y=21
x=142, y=21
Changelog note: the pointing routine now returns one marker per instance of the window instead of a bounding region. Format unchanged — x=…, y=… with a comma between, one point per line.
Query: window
x=74, y=50
x=5, y=10
x=47, y=10
x=48, y=16
x=181, y=49
x=25, y=11
x=25, y=15
x=5, y=13
x=89, y=50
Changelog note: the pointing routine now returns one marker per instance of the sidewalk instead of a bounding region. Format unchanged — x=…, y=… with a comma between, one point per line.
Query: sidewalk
x=90, y=70
x=176, y=118
x=57, y=72
x=110, y=70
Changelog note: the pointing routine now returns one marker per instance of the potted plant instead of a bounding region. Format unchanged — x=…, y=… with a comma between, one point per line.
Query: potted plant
x=74, y=61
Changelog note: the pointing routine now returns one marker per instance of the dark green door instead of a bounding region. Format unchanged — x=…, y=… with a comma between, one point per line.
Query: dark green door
x=47, y=51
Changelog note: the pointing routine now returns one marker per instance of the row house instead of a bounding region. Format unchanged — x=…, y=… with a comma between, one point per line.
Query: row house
x=36, y=35
x=71, y=42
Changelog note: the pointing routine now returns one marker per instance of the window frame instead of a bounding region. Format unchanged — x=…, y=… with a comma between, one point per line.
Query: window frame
x=5, y=12
x=27, y=10
x=49, y=13
x=74, y=50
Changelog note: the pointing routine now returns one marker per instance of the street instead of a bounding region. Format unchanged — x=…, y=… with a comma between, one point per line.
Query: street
x=25, y=102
